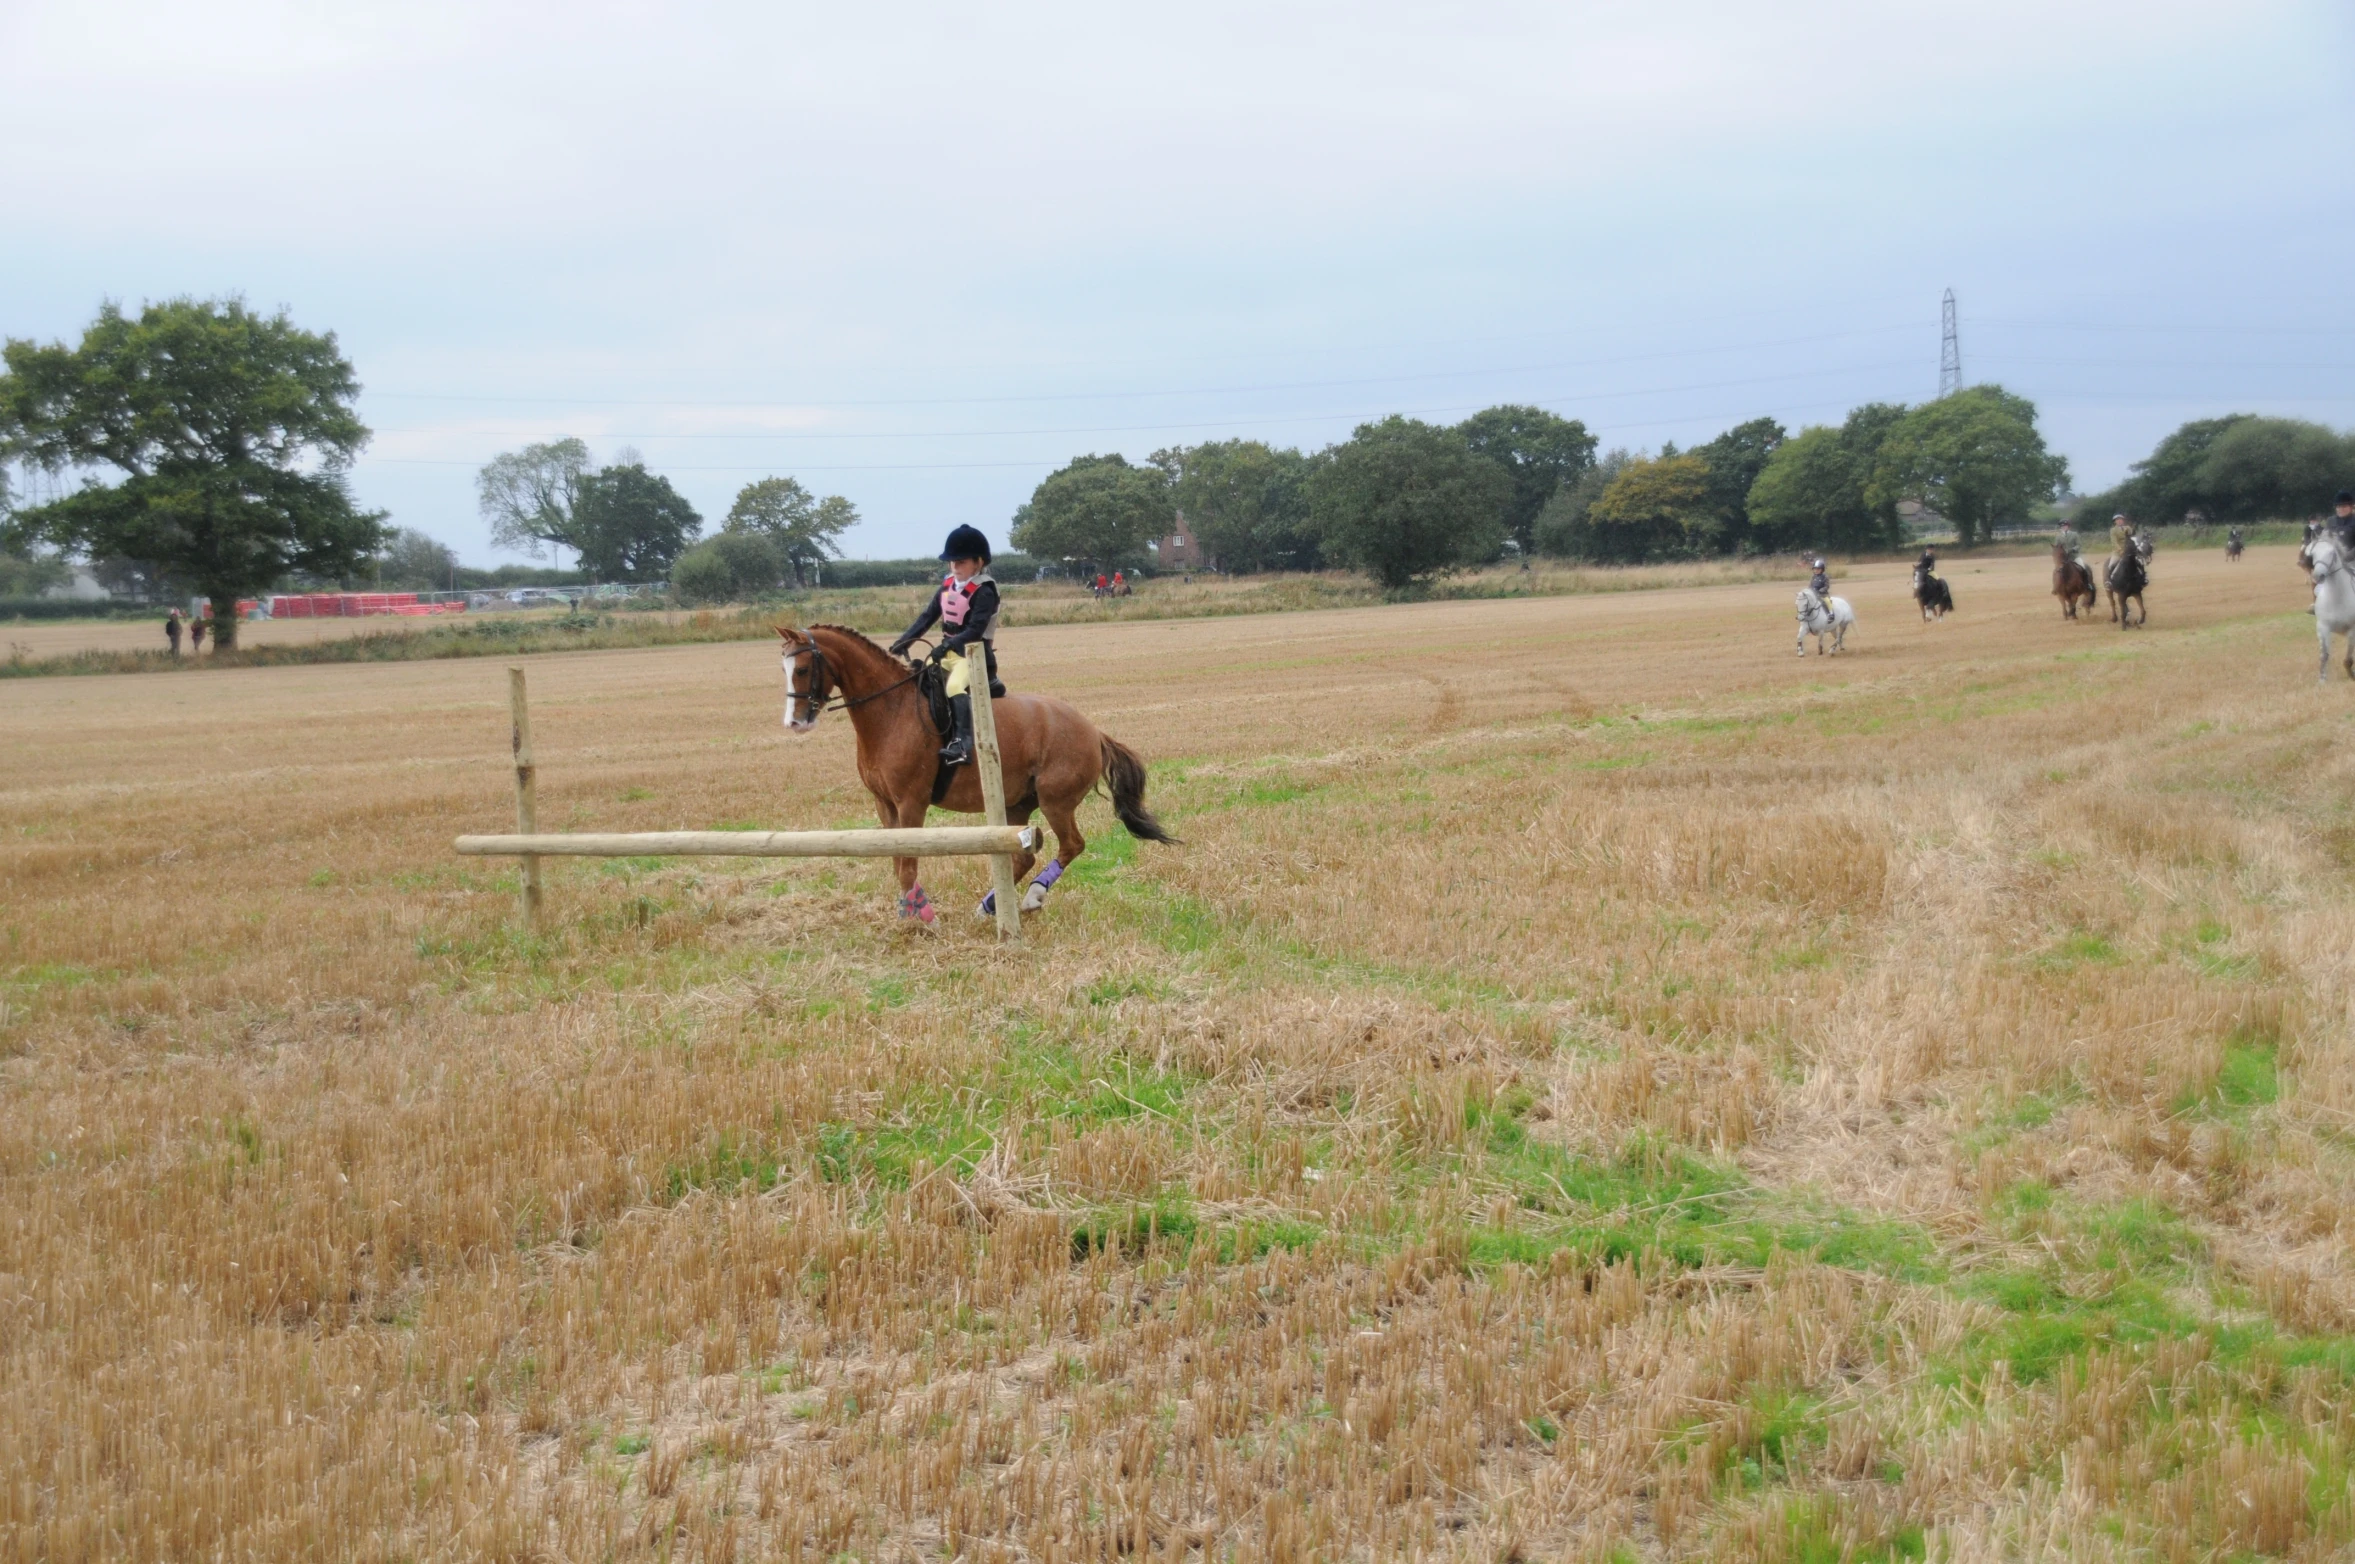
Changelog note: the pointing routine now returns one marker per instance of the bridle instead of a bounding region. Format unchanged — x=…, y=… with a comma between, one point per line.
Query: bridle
x=822, y=676
x=2337, y=566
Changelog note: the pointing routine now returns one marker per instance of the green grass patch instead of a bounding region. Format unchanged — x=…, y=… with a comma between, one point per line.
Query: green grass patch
x=2080, y=949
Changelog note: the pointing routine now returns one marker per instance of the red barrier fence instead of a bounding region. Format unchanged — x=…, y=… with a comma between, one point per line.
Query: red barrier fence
x=353, y=605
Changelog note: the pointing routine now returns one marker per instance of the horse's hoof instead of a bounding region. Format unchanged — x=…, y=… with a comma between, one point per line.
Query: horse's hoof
x=1034, y=898
x=988, y=907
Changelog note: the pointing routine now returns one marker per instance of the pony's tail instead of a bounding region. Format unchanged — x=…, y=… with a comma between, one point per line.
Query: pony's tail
x=1126, y=775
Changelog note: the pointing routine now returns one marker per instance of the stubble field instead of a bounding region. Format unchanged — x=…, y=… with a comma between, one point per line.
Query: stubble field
x=1590, y=1085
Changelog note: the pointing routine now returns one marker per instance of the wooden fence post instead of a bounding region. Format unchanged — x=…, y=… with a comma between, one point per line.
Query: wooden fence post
x=527, y=813
x=993, y=788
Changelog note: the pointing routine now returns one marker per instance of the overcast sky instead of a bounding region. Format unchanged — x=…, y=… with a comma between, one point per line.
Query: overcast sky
x=922, y=255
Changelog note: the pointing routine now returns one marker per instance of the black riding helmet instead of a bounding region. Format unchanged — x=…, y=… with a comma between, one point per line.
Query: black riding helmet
x=966, y=543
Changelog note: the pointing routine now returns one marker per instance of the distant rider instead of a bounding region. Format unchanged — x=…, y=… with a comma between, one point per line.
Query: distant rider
x=2067, y=542
x=1928, y=564
x=2121, y=538
x=966, y=605
x=1821, y=582
x=2342, y=525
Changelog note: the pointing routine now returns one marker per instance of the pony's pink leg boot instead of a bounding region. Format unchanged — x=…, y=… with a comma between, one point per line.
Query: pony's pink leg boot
x=913, y=903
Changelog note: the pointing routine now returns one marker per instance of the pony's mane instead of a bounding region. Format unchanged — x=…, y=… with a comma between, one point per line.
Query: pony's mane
x=859, y=636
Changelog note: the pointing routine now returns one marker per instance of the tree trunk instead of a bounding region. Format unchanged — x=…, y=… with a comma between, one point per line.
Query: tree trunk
x=224, y=621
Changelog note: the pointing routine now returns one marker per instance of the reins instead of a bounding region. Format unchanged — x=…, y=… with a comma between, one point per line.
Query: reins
x=821, y=674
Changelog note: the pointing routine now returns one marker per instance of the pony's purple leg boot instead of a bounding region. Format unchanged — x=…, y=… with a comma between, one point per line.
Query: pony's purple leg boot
x=1036, y=897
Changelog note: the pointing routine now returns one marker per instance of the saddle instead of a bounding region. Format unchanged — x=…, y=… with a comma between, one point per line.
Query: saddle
x=932, y=682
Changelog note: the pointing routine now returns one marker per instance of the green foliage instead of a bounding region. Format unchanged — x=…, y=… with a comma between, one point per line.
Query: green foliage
x=1099, y=510
x=1974, y=457
x=232, y=433
x=1735, y=459
x=631, y=525
x=1246, y=503
x=727, y=568
x=1812, y=491
x=802, y=530
x=531, y=497
x=1561, y=528
x=1541, y=452
x=1656, y=509
x=2261, y=468
x=2167, y=484
x=1406, y=501
x=31, y=574
x=409, y=561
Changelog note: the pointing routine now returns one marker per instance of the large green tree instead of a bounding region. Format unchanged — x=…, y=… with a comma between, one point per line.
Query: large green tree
x=1975, y=457
x=2262, y=468
x=1245, y=502
x=1735, y=459
x=630, y=524
x=805, y=530
x=1657, y=509
x=1405, y=501
x=532, y=497
x=1539, y=451
x=1097, y=511
x=1811, y=493
x=2168, y=485
x=229, y=435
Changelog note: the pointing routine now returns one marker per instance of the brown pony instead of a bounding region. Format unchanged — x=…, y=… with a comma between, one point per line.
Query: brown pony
x=1052, y=757
x=2072, y=580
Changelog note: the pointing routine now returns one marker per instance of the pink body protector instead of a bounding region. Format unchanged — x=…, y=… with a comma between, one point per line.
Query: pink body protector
x=955, y=598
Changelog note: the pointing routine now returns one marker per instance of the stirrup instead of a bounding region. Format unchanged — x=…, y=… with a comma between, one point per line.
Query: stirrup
x=956, y=752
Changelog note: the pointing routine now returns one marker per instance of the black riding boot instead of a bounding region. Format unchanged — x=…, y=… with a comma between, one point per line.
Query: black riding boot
x=959, y=748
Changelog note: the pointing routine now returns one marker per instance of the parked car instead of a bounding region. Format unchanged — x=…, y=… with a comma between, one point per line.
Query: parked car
x=540, y=597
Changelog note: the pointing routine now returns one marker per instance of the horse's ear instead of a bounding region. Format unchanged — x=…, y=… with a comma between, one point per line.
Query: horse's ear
x=783, y=634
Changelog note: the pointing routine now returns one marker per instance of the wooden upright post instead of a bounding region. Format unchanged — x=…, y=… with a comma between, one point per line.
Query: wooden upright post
x=993, y=789
x=527, y=813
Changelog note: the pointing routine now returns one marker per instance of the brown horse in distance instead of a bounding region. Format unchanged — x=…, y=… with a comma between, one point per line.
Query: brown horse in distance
x=1051, y=756
x=2072, y=581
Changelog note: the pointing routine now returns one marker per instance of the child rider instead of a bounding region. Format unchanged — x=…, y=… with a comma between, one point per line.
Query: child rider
x=966, y=607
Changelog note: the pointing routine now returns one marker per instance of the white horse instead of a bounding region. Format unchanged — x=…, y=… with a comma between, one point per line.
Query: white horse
x=1824, y=616
x=2334, y=599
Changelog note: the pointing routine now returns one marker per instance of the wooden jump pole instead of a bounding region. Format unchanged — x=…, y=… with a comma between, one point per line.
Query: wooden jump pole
x=527, y=812
x=997, y=840
x=945, y=841
x=993, y=792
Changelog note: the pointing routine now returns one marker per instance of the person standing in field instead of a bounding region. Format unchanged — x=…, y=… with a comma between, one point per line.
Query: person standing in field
x=196, y=629
x=172, y=630
x=966, y=607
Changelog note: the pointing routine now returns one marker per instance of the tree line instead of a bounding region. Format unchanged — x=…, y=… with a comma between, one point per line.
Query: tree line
x=1406, y=500
x=624, y=523
x=230, y=435
x=2238, y=468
